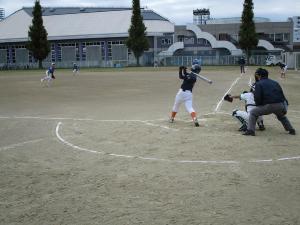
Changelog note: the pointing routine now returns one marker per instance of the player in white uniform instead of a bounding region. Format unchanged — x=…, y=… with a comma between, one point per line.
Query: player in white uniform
x=49, y=75
x=75, y=69
x=184, y=95
x=283, y=69
x=243, y=116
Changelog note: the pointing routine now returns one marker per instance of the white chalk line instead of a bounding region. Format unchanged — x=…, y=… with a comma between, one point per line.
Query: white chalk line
x=164, y=160
x=20, y=144
x=87, y=119
x=222, y=99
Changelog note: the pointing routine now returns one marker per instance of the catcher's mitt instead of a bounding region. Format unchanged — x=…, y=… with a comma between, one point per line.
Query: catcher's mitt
x=228, y=98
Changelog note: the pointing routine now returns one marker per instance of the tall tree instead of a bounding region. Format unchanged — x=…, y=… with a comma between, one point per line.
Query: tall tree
x=248, y=38
x=37, y=35
x=137, y=41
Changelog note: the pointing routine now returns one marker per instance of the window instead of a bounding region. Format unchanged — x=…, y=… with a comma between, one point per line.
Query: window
x=109, y=47
x=189, y=40
x=180, y=38
x=166, y=41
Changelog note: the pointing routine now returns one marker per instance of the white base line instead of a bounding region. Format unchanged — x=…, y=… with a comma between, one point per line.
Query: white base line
x=20, y=144
x=222, y=99
x=87, y=119
x=163, y=160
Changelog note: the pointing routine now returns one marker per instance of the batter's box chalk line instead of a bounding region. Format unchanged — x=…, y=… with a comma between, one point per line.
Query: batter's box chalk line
x=64, y=141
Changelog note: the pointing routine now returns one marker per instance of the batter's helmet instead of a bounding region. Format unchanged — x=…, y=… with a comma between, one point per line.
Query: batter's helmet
x=196, y=68
x=195, y=62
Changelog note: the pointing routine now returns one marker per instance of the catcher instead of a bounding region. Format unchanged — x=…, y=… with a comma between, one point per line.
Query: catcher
x=184, y=95
x=243, y=116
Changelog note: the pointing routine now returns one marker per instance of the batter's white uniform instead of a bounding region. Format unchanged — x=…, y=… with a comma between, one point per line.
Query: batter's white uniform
x=187, y=98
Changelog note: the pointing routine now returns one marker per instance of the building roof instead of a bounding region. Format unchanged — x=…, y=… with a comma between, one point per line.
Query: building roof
x=48, y=11
x=81, y=23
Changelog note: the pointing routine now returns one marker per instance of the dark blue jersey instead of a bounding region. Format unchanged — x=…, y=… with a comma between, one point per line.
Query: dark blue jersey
x=268, y=91
x=189, y=79
x=51, y=70
x=75, y=67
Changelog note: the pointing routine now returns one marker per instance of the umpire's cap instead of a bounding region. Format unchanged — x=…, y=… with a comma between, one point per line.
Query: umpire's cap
x=262, y=72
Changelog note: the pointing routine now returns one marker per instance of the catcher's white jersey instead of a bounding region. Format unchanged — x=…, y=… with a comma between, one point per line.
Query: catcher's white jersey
x=249, y=100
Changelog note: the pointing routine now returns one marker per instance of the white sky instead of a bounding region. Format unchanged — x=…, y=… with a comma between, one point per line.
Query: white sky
x=179, y=12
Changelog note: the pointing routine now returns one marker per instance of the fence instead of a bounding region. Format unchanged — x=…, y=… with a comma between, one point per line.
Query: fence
x=259, y=60
x=297, y=61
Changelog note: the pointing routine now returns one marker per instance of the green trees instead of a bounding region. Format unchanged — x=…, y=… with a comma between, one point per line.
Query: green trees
x=248, y=37
x=137, y=41
x=37, y=35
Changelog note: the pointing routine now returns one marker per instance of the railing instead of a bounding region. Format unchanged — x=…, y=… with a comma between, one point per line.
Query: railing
x=161, y=61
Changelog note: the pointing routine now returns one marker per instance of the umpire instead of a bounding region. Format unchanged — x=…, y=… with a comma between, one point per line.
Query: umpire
x=269, y=98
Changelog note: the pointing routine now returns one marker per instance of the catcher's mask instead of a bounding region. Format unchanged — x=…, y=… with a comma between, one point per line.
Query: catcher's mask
x=252, y=88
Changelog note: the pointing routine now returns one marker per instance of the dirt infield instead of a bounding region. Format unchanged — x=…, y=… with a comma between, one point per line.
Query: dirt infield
x=98, y=149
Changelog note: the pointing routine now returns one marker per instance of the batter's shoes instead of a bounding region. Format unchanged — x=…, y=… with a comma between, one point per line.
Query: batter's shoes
x=171, y=120
x=261, y=127
x=196, y=122
x=249, y=133
x=292, y=132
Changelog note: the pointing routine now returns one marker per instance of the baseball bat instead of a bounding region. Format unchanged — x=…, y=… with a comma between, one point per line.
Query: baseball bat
x=202, y=77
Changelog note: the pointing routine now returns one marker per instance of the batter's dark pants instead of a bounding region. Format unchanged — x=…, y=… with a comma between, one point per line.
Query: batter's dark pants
x=279, y=109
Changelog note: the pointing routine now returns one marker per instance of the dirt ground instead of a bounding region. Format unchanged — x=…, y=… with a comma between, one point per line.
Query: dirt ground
x=98, y=149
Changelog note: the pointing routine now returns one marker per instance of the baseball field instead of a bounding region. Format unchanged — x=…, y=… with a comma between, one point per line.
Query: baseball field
x=97, y=148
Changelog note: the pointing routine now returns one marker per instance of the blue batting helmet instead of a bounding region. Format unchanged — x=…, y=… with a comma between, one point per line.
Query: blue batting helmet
x=195, y=62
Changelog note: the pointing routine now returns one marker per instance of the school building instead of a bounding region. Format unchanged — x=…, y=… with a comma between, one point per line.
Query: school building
x=94, y=37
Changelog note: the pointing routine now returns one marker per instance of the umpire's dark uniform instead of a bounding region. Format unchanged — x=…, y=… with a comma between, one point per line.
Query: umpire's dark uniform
x=269, y=98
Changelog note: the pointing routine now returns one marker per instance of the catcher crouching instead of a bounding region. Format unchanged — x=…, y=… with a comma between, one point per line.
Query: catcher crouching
x=243, y=116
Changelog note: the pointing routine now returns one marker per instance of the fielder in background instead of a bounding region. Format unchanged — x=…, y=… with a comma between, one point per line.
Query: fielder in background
x=242, y=63
x=283, y=69
x=75, y=69
x=269, y=99
x=49, y=75
x=184, y=95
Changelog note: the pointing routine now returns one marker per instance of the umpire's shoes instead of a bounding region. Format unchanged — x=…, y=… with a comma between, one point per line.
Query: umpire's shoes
x=243, y=128
x=249, y=133
x=261, y=127
x=292, y=132
x=196, y=122
x=171, y=120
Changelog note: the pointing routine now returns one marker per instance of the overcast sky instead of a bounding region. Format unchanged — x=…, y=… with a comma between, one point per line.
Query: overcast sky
x=179, y=12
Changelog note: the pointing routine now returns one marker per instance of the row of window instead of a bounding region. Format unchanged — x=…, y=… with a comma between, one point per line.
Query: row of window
x=56, y=50
x=191, y=41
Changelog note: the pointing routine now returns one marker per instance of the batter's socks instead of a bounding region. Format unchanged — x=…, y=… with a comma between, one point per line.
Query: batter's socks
x=173, y=114
x=193, y=114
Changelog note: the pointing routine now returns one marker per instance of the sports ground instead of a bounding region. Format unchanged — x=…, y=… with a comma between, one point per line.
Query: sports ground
x=98, y=149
